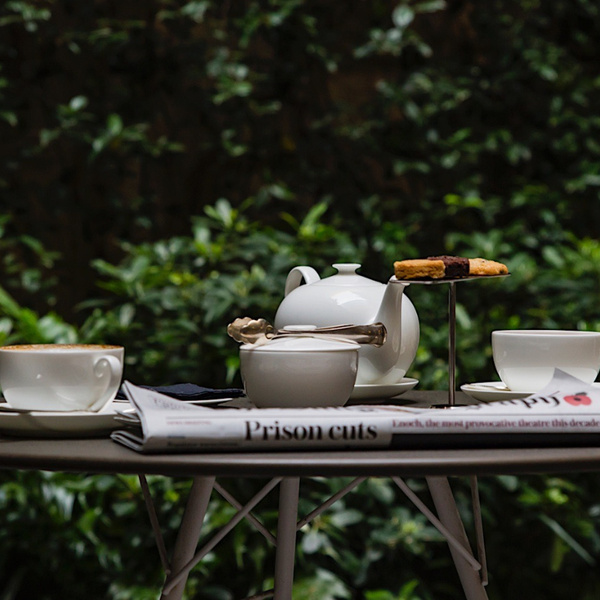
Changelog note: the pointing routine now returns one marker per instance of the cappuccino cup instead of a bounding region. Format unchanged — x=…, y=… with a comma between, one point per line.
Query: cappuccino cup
x=60, y=377
x=526, y=358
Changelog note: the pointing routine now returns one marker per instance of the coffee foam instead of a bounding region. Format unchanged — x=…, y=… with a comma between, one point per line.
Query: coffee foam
x=59, y=347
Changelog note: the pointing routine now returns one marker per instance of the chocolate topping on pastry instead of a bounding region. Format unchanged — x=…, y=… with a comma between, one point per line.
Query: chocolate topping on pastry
x=454, y=266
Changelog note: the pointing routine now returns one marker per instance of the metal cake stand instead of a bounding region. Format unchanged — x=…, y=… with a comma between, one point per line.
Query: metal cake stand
x=451, y=323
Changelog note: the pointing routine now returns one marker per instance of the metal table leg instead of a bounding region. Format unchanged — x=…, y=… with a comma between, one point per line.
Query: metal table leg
x=189, y=531
x=286, y=538
x=445, y=505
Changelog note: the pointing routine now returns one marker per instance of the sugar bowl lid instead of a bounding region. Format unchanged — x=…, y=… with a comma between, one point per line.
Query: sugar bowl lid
x=303, y=343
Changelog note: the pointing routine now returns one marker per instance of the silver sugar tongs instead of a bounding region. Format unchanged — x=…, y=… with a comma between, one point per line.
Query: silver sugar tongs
x=252, y=331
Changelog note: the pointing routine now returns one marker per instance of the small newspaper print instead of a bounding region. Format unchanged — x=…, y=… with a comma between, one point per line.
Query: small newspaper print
x=160, y=424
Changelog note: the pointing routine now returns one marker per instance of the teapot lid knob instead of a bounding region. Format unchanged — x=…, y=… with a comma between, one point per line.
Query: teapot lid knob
x=346, y=268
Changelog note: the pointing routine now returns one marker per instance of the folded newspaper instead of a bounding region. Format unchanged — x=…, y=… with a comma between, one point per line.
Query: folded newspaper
x=566, y=412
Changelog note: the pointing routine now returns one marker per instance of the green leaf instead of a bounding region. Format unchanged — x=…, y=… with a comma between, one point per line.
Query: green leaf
x=78, y=102
x=568, y=539
x=402, y=16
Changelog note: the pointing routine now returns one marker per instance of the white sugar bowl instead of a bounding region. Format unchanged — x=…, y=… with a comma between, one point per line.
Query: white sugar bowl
x=299, y=371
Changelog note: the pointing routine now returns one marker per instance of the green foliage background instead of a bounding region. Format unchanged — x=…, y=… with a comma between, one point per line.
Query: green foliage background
x=164, y=163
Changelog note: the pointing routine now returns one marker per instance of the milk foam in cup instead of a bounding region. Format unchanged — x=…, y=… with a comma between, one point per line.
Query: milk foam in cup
x=60, y=377
x=526, y=358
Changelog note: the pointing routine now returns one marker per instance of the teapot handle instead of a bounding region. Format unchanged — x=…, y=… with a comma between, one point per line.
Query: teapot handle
x=295, y=276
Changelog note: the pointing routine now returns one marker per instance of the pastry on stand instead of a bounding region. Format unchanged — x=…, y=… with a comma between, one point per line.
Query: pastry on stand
x=451, y=270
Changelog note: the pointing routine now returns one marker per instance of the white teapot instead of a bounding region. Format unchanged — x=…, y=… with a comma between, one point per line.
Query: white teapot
x=349, y=298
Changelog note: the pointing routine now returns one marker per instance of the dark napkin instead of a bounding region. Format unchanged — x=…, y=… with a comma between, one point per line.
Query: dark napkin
x=190, y=391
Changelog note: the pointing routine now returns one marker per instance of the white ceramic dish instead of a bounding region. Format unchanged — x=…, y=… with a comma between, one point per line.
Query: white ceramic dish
x=60, y=424
x=494, y=391
x=374, y=390
x=299, y=371
x=60, y=377
x=205, y=402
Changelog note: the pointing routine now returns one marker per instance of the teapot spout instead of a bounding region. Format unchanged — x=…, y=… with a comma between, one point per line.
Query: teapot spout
x=382, y=365
x=390, y=309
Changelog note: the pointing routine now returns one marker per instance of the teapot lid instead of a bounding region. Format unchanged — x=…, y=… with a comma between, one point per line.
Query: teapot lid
x=346, y=276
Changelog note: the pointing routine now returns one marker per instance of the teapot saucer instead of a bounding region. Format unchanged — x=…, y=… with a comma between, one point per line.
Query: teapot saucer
x=383, y=391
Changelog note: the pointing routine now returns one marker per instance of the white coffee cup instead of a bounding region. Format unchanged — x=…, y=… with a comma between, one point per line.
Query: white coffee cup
x=60, y=377
x=526, y=358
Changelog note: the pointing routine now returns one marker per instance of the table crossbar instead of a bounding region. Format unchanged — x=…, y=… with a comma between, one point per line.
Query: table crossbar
x=182, y=573
x=459, y=546
x=158, y=536
x=256, y=523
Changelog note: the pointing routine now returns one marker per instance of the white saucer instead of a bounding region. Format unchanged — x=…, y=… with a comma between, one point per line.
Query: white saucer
x=375, y=390
x=207, y=401
x=61, y=424
x=493, y=391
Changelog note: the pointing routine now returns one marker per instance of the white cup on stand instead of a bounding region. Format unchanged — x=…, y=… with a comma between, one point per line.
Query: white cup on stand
x=525, y=359
x=60, y=377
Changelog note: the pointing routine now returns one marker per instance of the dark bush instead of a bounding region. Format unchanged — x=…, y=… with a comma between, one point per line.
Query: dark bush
x=164, y=163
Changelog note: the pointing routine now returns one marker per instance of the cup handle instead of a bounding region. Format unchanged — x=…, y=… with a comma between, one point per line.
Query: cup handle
x=115, y=371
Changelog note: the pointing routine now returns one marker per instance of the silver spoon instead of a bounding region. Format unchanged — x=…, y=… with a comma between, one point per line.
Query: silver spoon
x=252, y=331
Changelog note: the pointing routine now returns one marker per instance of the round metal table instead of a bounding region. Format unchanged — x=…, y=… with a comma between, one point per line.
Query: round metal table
x=284, y=469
